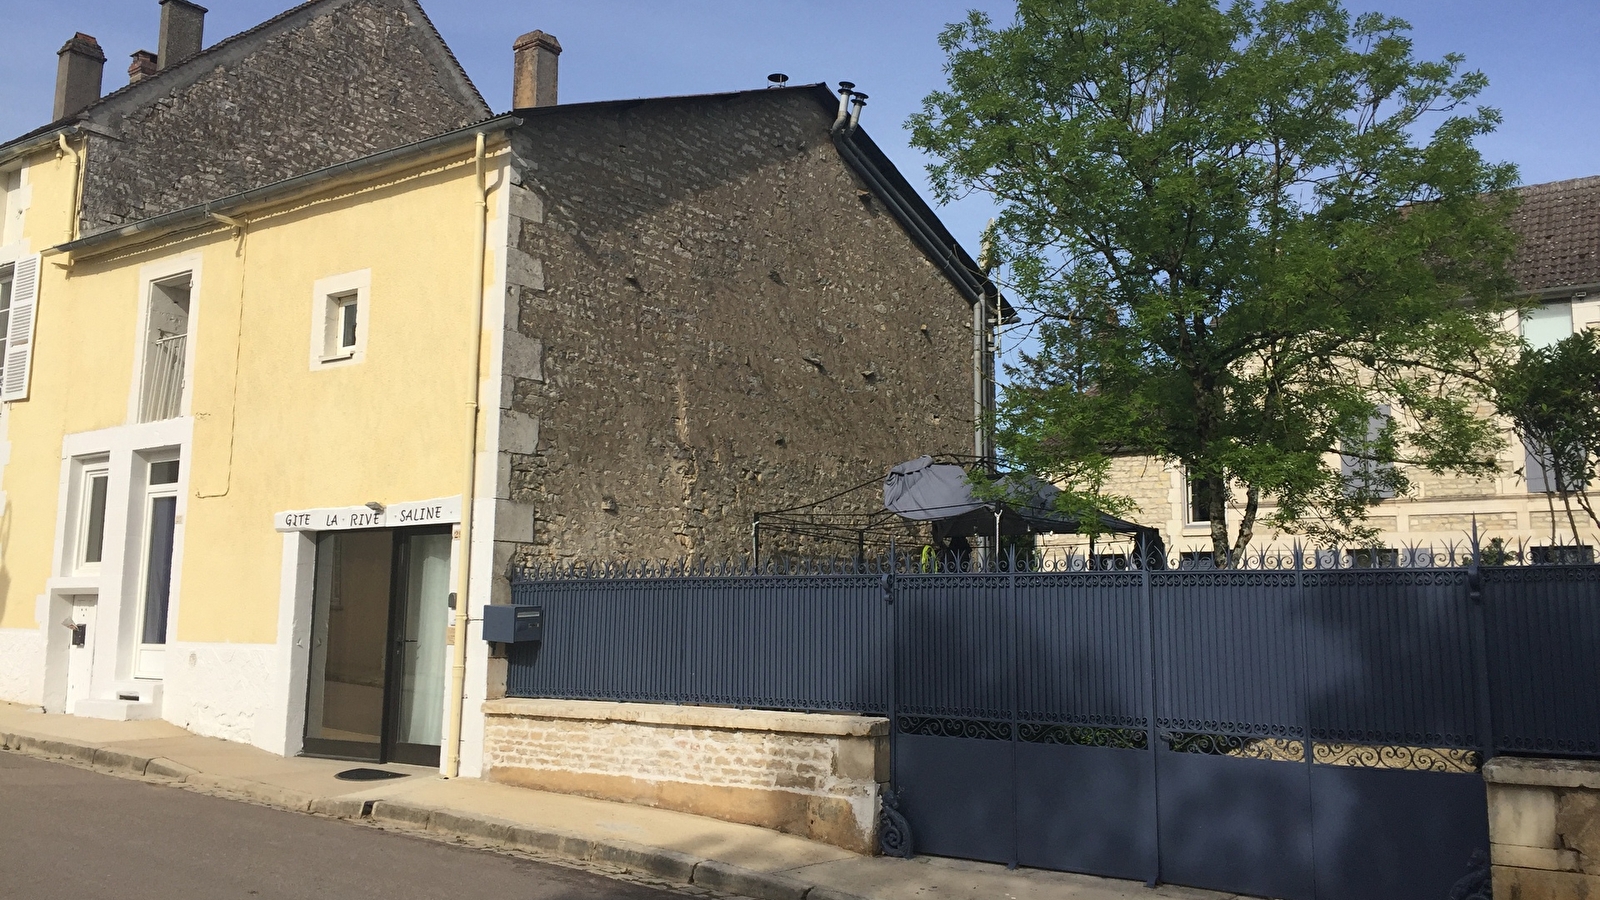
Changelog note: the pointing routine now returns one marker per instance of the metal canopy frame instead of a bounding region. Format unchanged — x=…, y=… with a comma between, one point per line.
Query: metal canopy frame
x=842, y=518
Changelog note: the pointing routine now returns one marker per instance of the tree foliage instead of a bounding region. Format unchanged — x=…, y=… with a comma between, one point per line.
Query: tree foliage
x=1551, y=395
x=1236, y=246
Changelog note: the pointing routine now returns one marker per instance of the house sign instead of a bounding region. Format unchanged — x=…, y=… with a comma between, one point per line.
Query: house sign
x=441, y=511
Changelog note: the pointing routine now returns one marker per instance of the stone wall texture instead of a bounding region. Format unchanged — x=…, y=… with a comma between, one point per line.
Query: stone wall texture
x=1544, y=828
x=818, y=776
x=353, y=79
x=726, y=322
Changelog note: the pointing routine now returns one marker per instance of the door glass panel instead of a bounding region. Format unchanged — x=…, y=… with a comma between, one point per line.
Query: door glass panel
x=349, y=637
x=94, y=530
x=422, y=654
x=158, y=569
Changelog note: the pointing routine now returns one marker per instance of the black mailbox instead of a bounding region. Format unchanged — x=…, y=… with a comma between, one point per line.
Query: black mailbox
x=513, y=624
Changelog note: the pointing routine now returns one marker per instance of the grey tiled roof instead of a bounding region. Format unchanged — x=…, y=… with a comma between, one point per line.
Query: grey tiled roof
x=1560, y=227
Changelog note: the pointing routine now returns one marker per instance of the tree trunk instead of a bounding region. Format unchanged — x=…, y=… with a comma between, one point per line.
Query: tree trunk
x=1215, y=488
x=1247, y=522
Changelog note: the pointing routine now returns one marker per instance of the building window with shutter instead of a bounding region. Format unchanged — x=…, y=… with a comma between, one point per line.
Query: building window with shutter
x=339, y=319
x=19, y=297
x=7, y=276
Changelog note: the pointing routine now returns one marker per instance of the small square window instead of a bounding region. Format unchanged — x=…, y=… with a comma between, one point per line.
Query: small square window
x=344, y=323
x=340, y=319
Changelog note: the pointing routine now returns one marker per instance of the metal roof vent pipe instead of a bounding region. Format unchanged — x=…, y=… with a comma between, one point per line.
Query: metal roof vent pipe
x=846, y=91
x=535, y=68
x=183, y=26
x=860, y=101
x=78, y=75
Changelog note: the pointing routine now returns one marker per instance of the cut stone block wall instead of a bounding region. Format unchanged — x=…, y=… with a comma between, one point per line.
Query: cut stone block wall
x=1544, y=828
x=818, y=776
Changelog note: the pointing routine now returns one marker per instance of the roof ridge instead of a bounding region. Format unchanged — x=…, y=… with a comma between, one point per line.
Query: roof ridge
x=229, y=41
x=219, y=45
x=1582, y=179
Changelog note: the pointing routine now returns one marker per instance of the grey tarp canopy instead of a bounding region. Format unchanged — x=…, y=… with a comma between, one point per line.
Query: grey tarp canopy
x=935, y=492
x=941, y=493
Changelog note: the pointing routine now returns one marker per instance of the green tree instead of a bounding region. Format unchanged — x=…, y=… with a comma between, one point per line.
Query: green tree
x=1552, y=398
x=1237, y=249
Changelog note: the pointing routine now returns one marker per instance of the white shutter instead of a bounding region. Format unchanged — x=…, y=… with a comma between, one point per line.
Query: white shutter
x=19, y=339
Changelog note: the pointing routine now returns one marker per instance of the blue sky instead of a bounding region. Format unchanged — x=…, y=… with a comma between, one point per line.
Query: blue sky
x=1536, y=54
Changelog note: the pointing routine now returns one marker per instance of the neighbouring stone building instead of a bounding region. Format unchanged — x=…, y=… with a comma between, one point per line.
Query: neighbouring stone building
x=1557, y=265
x=266, y=302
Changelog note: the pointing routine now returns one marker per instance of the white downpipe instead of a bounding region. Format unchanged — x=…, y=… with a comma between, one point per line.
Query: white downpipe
x=458, y=665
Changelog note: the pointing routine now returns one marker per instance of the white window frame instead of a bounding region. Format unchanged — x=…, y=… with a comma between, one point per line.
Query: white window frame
x=150, y=276
x=149, y=660
x=1189, y=521
x=88, y=471
x=14, y=202
x=329, y=298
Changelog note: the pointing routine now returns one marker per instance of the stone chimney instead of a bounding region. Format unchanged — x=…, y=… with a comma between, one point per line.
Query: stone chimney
x=78, y=73
x=182, y=24
x=534, y=76
x=143, y=66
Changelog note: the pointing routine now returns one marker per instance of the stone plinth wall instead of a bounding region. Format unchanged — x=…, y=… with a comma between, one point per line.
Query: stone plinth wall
x=1544, y=828
x=818, y=776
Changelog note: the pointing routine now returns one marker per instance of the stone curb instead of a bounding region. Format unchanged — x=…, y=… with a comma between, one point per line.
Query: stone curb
x=658, y=861
x=721, y=876
x=267, y=794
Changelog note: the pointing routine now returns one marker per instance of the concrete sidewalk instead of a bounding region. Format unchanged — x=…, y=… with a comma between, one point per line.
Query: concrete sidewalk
x=736, y=859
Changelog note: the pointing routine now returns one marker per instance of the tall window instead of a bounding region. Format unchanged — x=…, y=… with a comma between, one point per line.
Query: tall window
x=1361, y=471
x=166, y=350
x=160, y=526
x=8, y=275
x=1199, y=511
x=10, y=206
x=91, y=519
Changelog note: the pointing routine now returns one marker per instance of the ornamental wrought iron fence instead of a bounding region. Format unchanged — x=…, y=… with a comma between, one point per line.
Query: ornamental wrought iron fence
x=1491, y=623
x=1295, y=723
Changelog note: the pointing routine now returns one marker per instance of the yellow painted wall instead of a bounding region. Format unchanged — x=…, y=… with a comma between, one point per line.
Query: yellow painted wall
x=34, y=428
x=270, y=434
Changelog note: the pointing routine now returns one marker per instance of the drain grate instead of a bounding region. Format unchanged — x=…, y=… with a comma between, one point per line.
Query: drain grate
x=367, y=775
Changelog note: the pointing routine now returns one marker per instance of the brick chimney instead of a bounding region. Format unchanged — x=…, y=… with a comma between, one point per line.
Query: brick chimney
x=143, y=66
x=182, y=24
x=78, y=73
x=534, y=76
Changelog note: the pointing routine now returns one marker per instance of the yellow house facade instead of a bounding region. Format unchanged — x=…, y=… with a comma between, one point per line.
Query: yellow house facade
x=284, y=367
x=277, y=425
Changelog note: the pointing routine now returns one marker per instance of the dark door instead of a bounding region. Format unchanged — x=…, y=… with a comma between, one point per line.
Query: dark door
x=379, y=622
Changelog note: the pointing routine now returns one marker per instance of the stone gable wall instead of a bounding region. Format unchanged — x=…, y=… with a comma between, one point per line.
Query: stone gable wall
x=354, y=81
x=715, y=318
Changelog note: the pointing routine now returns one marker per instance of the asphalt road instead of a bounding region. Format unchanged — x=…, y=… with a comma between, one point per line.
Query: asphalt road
x=73, y=834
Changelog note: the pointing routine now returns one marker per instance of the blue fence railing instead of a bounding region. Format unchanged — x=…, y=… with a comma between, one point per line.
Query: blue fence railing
x=1429, y=653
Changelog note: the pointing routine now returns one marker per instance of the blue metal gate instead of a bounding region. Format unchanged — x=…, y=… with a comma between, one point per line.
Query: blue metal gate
x=1288, y=731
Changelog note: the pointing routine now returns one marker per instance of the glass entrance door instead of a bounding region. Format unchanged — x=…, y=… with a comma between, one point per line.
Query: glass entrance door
x=155, y=582
x=422, y=622
x=379, y=619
